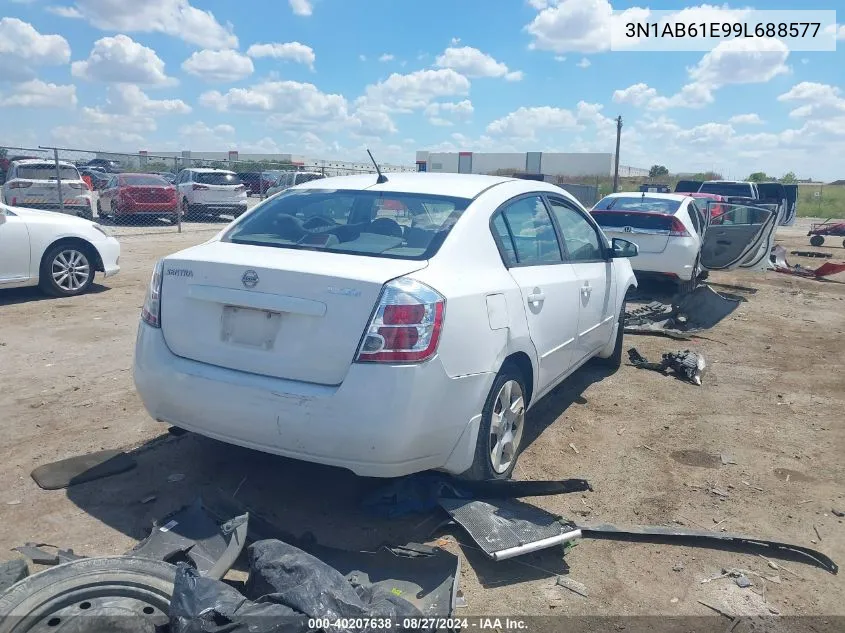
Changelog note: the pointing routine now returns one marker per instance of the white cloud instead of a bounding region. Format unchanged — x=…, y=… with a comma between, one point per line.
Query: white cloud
x=414, y=91
x=301, y=7
x=372, y=123
x=39, y=94
x=751, y=118
x=201, y=134
x=177, y=18
x=560, y=58
x=120, y=59
x=637, y=94
x=386, y=57
x=525, y=122
x=288, y=104
x=540, y=4
x=694, y=95
x=291, y=51
x=471, y=62
x=362, y=57
x=218, y=66
x=22, y=48
x=130, y=99
x=584, y=63
x=64, y=12
x=819, y=101
x=438, y=112
x=742, y=61
x=838, y=29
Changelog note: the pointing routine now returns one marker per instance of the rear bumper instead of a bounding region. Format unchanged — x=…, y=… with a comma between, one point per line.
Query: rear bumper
x=383, y=421
x=220, y=206
x=138, y=208
x=677, y=259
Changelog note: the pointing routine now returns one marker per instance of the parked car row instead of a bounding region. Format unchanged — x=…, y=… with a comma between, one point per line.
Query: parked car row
x=34, y=183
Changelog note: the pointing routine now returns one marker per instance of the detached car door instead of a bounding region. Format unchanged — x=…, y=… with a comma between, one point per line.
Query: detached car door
x=741, y=237
x=586, y=250
x=549, y=286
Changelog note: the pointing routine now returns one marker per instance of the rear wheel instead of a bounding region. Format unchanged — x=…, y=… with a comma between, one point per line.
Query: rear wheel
x=818, y=240
x=501, y=431
x=66, y=271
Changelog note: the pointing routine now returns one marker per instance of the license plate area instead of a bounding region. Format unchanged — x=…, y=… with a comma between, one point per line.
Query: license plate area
x=247, y=327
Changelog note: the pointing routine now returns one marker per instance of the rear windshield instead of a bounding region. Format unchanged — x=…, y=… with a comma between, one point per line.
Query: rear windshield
x=687, y=186
x=727, y=189
x=216, y=178
x=46, y=171
x=641, y=204
x=143, y=180
x=635, y=220
x=397, y=225
x=251, y=175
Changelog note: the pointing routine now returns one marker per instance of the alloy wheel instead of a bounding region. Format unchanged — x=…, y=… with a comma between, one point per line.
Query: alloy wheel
x=70, y=269
x=506, y=426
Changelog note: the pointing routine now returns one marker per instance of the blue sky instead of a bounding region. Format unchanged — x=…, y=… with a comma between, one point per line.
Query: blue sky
x=327, y=78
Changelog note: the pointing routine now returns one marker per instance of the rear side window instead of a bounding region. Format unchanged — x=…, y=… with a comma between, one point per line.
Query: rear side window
x=643, y=204
x=379, y=224
x=216, y=178
x=581, y=239
x=46, y=171
x=525, y=225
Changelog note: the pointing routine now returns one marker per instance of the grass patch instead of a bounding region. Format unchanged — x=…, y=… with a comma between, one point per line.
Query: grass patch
x=829, y=204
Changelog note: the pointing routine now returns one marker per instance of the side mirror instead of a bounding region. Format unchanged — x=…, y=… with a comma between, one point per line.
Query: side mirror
x=623, y=248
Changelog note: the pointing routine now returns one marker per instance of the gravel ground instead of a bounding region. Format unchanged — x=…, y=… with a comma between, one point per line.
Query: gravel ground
x=651, y=445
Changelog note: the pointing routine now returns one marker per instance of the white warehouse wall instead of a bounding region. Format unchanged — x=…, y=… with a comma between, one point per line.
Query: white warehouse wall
x=443, y=162
x=577, y=164
x=484, y=163
x=551, y=164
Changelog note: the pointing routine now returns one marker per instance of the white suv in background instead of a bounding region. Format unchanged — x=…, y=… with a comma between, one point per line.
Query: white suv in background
x=212, y=191
x=32, y=183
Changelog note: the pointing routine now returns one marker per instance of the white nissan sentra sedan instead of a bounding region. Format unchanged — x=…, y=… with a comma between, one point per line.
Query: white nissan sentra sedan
x=386, y=328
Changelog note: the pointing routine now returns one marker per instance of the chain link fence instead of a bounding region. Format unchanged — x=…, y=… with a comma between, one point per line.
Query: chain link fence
x=149, y=193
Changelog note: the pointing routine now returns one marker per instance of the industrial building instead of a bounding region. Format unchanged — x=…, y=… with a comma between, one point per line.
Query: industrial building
x=548, y=163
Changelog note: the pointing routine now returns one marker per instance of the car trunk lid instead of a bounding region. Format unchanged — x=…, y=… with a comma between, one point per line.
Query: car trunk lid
x=143, y=194
x=649, y=231
x=286, y=313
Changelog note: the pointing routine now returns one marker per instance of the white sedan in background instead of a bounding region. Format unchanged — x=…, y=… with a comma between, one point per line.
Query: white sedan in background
x=325, y=326
x=680, y=237
x=57, y=252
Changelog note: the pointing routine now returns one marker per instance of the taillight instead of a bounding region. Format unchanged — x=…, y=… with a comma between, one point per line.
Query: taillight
x=406, y=325
x=240, y=188
x=197, y=187
x=677, y=229
x=151, y=311
x=19, y=184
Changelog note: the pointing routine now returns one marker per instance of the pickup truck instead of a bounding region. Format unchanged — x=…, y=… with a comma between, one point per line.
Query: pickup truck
x=772, y=194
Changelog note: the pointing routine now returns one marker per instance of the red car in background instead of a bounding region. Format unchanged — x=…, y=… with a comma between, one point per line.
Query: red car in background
x=138, y=195
x=715, y=209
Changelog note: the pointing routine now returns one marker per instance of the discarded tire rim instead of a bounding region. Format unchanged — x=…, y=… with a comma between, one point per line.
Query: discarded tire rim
x=111, y=594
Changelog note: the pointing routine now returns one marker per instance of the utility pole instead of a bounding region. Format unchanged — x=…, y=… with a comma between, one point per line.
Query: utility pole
x=616, y=166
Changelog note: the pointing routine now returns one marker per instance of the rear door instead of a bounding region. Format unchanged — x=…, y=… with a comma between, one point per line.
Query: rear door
x=792, y=204
x=14, y=249
x=586, y=250
x=549, y=286
x=742, y=237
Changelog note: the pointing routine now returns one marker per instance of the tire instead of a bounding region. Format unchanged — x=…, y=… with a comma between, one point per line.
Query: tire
x=67, y=270
x=483, y=466
x=186, y=210
x=100, y=212
x=817, y=240
x=84, y=587
x=614, y=361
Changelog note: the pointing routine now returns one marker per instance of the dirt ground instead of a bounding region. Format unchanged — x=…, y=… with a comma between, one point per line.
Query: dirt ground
x=772, y=402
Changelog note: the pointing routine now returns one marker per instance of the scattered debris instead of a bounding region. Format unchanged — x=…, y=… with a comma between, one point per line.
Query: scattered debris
x=572, y=446
x=38, y=556
x=82, y=468
x=175, y=477
x=12, y=571
x=837, y=513
x=573, y=585
x=781, y=265
x=678, y=567
x=816, y=530
x=719, y=493
x=726, y=460
x=698, y=310
x=818, y=254
x=742, y=581
x=687, y=365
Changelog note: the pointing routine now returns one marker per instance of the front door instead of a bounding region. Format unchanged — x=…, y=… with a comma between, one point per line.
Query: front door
x=741, y=237
x=586, y=250
x=548, y=284
x=14, y=249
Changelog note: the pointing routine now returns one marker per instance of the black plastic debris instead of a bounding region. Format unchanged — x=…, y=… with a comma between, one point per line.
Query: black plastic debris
x=701, y=309
x=192, y=534
x=504, y=528
x=38, y=556
x=286, y=587
x=12, y=571
x=686, y=365
x=82, y=468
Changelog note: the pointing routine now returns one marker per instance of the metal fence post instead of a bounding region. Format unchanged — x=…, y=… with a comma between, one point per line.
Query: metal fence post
x=59, y=181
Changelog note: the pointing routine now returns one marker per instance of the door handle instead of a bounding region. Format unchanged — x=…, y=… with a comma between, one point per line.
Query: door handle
x=586, y=289
x=536, y=297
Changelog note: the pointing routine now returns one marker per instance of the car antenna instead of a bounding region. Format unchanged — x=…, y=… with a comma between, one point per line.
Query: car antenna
x=381, y=177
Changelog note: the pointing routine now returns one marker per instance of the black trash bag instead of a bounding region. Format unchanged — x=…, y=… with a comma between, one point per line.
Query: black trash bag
x=286, y=587
x=205, y=605
x=284, y=574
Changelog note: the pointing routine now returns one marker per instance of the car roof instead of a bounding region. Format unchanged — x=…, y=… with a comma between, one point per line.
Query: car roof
x=728, y=182
x=678, y=197
x=206, y=170
x=35, y=161
x=455, y=185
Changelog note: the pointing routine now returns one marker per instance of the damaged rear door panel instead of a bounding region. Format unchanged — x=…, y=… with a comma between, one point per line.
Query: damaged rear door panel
x=742, y=236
